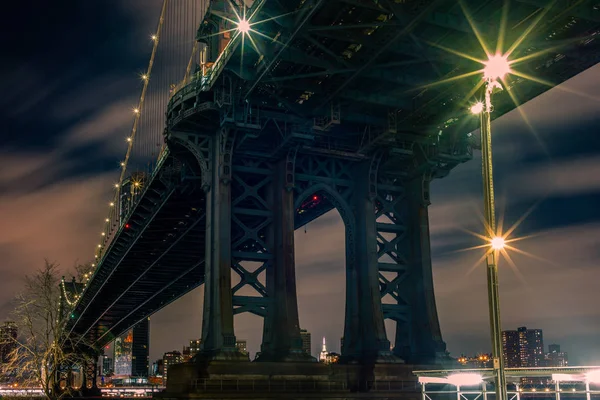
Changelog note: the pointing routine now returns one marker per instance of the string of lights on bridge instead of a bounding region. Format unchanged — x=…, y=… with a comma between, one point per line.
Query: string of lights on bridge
x=244, y=27
x=137, y=111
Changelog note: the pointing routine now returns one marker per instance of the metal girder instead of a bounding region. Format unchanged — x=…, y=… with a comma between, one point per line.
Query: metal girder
x=339, y=59
x=404, y=262
x=148, y=299
x=250, y=218
x=164, y=199
x=444, y=20
x=406, y=30
x=376, y=98
x=296, y=56
x=416, y=54
x=375, y=70
x=584, y=9
x=305, y=17
x=369, y=5
x=450, y=21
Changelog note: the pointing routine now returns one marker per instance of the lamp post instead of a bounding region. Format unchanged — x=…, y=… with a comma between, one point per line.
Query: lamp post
x=495, y=68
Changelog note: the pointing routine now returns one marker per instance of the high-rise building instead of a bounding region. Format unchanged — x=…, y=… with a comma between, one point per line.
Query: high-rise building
x=305, y=336
x=242, y=346
x=131, y=351
x=8, y=337
x=555, y=357
x=523, y=348
x=107, y=365
x=510, y=349
x=535, y=344
x=140, y=360
x=169, y=359
x=122, y=354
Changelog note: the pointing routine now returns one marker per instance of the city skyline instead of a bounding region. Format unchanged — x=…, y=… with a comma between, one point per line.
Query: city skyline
x=63, y=161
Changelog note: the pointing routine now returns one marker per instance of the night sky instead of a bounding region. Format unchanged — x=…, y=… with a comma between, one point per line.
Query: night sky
x=69, y=77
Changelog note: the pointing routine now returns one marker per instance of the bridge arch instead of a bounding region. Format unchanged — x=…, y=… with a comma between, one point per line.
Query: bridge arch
x=330, y=198
x=176, y=143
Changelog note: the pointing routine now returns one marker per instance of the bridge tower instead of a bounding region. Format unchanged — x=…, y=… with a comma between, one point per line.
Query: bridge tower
x=259, y=163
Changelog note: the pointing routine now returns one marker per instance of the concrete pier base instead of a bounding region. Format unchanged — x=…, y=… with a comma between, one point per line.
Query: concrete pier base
x=272, y=380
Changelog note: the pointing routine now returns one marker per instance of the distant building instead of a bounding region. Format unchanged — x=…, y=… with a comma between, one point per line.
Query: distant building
x=510, y=349
x=305, y=336
x=242, y=346
x=140, y=360
x=107, y=365
x=523, y=348
x=157, y=367
x=131, y=351
x=478, y=361
x=555, y=357
x=122, y=354
x=169, y=359
x=332, y=358
x=324, y=352
x=186, y=354
x=8, y=337
x=195, y=347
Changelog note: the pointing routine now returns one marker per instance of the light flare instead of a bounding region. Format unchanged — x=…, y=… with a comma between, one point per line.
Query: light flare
x=477, y=108
x=243, y=26
x=496, y=67
x=497, y=243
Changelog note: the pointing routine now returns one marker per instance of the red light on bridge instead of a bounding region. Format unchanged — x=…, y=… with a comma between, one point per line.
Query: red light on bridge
x=126, y=226
x=315, y=197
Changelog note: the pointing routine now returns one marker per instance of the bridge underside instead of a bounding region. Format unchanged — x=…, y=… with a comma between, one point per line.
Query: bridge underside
x=344, y=109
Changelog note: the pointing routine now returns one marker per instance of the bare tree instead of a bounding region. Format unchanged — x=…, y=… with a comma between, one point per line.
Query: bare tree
x=42, y=353
x=82, y=271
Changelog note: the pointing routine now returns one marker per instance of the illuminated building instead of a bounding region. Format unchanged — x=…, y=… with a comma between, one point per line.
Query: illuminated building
x=107, y=365
x=478, y=361
x=332, y=358
x=323, y=353
x=195, y=347
x=510, y=349
x=131, y=356
x=242, y=346
x=122, y=351
x=535, y=347
x=186, y=354
x=523, y=348
x=8, y=337
x=169, y=359
x=555, y=357
x=305, y=336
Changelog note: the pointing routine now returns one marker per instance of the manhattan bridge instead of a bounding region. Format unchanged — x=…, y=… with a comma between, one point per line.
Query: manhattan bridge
x=258, y=117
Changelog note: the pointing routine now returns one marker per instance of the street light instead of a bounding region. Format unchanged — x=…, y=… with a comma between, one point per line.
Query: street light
x=496, y=68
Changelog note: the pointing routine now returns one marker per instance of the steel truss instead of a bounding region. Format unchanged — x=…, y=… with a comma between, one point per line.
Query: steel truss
x=404, y=265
